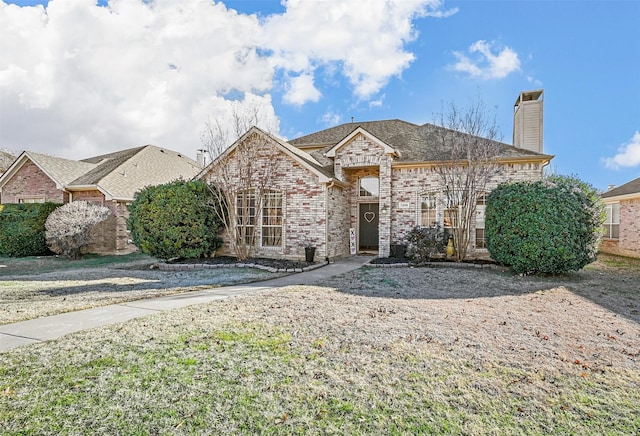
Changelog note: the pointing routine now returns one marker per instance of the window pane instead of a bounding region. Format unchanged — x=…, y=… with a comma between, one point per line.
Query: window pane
x=480, y=241
x=428, y=210
x=272, y=219
x=369, y=187
x=615, y=231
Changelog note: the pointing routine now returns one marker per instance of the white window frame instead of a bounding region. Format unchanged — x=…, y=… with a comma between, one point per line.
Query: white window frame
x=481, y=206
x=364, y=192
x=249, y=225
x=272, y=219
x=612, y=221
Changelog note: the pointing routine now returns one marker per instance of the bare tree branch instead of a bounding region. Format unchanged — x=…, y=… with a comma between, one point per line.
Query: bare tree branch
x=467, y=150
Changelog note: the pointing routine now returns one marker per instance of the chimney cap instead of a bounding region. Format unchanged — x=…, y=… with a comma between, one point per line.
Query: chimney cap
x=529, y=96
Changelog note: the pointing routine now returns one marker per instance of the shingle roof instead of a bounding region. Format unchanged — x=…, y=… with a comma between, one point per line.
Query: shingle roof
x=6, y=159
x=632, y=187
x=413, y=142
x=61, y=170
x=121, y=174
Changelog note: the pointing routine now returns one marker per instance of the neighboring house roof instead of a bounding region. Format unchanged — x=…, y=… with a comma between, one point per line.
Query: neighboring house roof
x=412, y=142
x=117, y=175
x=6, y=159
x=60, y=170
x=628, y=190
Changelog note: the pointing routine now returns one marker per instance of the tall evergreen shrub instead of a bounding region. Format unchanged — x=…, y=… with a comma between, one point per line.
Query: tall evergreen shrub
x=551, y=226
x=175, y=220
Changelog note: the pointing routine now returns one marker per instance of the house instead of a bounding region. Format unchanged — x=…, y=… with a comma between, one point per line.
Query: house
x=110, y=180
x=6, y=159
x=622, y=224
x=360, y=186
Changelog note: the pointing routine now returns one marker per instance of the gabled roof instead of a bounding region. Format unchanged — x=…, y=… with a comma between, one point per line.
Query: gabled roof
x=117, y=175
x=121, y=174
x=630, y=189
x=61, y=171
x=6, y=159
x=331, y=152
x=303, y=158
x=412, y=142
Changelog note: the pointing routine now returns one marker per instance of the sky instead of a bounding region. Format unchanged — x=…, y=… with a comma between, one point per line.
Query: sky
x=79, y=78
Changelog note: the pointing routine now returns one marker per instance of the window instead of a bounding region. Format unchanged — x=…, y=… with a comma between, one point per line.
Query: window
x=428, y=210
x=245, y=217
x=369, y=186
x=481, y=205
x=612, y=221
x=272, y=219
x=452, y=211
x=31, y=200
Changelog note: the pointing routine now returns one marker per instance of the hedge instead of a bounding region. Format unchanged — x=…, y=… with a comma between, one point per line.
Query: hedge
x=22, y=231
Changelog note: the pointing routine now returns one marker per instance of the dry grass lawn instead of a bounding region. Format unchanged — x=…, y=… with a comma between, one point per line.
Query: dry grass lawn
x=376, y=351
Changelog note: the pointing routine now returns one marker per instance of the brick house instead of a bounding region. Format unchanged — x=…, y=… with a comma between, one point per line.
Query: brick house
x=362, y=186
x=622, y=224
x=110, y=180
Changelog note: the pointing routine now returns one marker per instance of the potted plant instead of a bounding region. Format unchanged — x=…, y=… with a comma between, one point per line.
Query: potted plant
x=309, y=251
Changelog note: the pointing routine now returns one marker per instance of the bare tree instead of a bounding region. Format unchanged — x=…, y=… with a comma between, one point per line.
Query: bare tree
x=467, y=148
x=241, y=176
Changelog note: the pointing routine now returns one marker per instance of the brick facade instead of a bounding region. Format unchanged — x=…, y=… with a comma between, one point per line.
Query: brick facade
x=323, y=212
x=305, y=201
x=628, y=243
x=30, y=182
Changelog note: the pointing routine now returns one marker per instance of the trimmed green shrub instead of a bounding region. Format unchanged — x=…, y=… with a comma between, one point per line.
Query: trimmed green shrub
x=551, y=226
x=22, y=231
x=175, y=220
x=70, y=227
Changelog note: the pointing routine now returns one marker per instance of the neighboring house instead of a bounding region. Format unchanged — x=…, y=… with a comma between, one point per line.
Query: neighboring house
x=110, y=180
x=6, y=159
x=622, y=224
x=365, y=184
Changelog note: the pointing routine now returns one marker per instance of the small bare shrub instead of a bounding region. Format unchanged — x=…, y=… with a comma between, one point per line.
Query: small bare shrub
x=69, y=228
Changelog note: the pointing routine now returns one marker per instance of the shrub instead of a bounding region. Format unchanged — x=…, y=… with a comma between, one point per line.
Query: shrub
x=425, y=243
x=70, y=227
x=22, y=229
x=175, y=220
x=551, y=226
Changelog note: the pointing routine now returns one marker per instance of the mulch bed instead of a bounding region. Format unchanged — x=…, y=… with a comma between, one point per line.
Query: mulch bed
x=231, y=260
x=397, y=260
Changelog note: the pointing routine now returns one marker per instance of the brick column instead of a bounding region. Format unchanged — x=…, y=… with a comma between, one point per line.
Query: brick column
x=384, y=223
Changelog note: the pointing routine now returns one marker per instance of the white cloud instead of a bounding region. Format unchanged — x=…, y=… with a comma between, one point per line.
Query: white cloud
x=484, y=64
x=628, y=154
x=330, y=119
x=301, y=90
x=77, y=79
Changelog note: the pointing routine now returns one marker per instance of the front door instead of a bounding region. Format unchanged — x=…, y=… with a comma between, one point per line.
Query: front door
x=368, y=234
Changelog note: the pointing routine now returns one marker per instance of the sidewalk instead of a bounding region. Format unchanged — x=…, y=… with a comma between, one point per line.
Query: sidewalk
x=53, y=327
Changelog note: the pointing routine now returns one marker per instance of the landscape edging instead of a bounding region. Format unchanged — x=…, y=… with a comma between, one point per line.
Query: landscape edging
x=191, y=266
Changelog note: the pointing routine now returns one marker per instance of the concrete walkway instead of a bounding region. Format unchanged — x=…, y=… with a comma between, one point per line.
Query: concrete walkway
x=53, y=327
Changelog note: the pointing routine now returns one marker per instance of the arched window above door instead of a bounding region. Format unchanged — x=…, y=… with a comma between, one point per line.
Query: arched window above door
x=369, y=186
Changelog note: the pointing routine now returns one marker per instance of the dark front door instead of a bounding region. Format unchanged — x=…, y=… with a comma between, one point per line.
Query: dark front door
x=368, y=226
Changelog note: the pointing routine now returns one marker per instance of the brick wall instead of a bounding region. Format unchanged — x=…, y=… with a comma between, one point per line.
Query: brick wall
x=304, y=200
x=408, y=184
x=628, y=243
x=31, y=182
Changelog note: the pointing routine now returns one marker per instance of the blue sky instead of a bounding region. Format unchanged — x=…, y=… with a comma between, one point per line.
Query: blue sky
x=79, y=78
